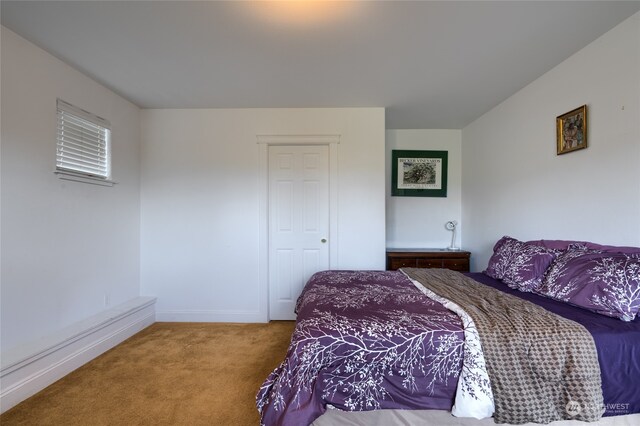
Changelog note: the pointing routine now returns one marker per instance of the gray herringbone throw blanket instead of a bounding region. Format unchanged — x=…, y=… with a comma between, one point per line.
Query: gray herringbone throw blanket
x=542, y=366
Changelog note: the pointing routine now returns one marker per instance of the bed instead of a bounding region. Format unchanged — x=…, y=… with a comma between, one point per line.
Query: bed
x=371, y=340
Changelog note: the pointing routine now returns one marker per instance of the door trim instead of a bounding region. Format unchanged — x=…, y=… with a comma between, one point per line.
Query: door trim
x=263, y=142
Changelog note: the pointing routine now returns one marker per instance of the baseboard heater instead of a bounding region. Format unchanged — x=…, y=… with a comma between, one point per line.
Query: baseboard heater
x=30, y=368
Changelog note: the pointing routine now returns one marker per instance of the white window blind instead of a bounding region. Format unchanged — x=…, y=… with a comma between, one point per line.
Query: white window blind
x=83, y=145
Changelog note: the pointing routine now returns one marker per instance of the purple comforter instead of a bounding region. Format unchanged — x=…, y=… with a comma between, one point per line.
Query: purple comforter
x=370, y=340
x=364, y=341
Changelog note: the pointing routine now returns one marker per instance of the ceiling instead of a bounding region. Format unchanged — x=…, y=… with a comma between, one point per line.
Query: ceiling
x=430, y=64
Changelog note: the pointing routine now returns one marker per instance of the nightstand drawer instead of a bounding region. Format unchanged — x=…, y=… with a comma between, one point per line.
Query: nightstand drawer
x=429, y=263
x=456, y=264
x=400, y=262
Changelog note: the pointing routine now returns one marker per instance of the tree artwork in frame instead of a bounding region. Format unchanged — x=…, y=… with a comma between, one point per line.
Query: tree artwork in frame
x=419, y=173
x=571, y=130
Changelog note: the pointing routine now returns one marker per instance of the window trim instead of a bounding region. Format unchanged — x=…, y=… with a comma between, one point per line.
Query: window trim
x=77, y=177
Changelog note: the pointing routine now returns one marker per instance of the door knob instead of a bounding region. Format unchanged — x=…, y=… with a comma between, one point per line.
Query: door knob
x=324, y=240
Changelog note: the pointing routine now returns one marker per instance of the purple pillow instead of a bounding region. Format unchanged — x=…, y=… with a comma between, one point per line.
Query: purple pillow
x=520, y=265
x=498, y=261
x=564, y=244
x=602, y=282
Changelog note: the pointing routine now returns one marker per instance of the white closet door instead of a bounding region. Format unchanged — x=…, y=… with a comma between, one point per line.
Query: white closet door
x=298, y=222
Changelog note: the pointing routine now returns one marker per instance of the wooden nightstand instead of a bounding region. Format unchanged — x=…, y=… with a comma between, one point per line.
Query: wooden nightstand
x=427, y=258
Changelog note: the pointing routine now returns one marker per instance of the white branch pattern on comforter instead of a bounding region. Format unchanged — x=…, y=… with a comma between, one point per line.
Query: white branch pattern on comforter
x=360, y=337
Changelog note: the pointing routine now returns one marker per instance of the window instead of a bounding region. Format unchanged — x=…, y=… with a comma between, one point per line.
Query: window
x=83, y=145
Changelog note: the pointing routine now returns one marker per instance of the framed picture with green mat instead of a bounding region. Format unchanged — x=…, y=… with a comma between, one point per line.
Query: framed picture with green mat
x=419, y=173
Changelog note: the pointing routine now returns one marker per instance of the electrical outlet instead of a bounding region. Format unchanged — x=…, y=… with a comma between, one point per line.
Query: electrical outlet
x=107, y=300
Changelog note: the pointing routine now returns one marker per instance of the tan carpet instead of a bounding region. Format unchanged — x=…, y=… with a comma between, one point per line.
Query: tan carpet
x=168, y=374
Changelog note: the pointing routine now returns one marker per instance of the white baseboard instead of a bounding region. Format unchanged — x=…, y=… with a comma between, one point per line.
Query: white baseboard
x=210, y=316
x=29, y=369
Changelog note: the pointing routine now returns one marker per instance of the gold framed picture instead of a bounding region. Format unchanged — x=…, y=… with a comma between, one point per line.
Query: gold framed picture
x=571, y=130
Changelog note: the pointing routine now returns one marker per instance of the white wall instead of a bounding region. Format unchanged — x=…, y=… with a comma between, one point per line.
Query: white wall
x=419, y=221
x=65, y=245
x=513, y=182
x=200, y=207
